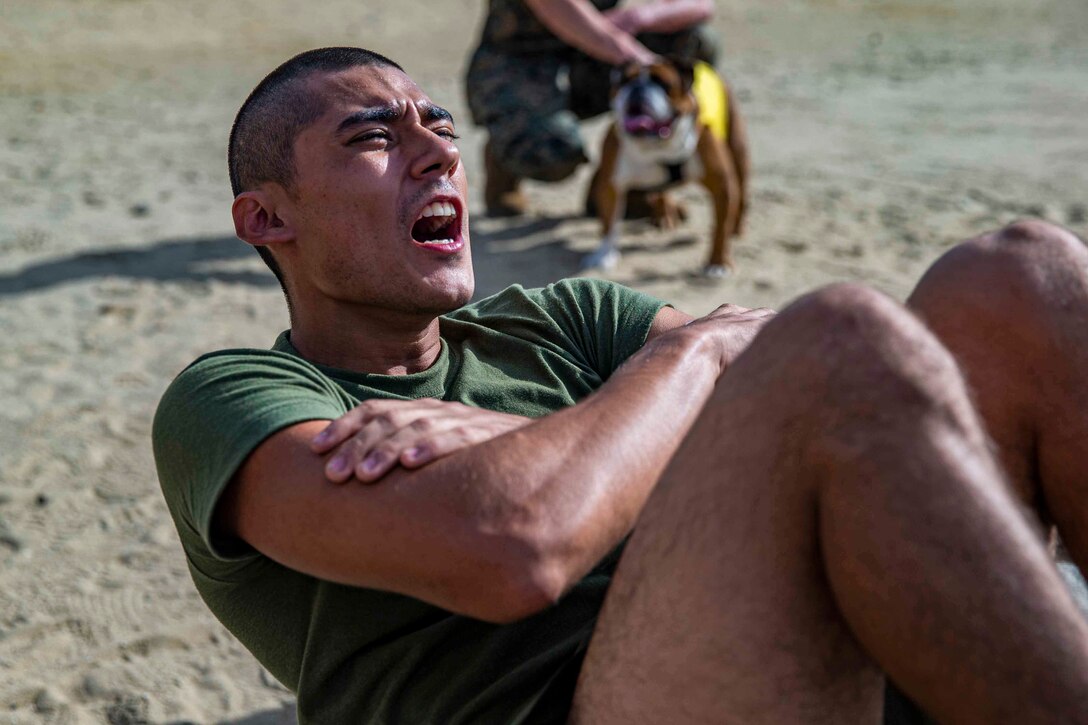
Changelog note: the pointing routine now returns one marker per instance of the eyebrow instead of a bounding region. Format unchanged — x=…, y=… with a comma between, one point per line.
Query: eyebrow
x=428, y=113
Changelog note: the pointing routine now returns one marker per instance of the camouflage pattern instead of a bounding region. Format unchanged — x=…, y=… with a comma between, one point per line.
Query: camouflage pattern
x=529, y=89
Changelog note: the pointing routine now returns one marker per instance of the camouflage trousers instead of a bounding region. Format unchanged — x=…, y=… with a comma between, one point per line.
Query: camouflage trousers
x=531, y=103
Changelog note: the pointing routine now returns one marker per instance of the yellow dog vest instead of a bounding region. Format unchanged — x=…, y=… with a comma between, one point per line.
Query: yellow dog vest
x=709, y=90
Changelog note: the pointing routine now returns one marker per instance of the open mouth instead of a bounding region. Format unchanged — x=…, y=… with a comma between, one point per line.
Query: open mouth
x=646, y=111
x=438, y=225
x=642, y=124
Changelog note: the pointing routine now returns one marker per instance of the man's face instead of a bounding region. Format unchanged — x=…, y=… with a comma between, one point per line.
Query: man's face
x=379, y=205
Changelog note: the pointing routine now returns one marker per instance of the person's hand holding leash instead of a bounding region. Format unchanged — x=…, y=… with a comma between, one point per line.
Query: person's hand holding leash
x=378, y=434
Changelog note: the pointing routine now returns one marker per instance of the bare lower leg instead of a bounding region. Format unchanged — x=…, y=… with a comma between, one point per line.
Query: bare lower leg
x=835, y=508
x=1012, y=306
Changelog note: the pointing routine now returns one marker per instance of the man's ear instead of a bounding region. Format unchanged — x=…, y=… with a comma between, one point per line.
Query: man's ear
x=256, y=221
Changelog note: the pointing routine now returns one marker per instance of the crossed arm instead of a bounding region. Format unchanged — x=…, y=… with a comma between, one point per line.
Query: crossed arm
x=501, y=529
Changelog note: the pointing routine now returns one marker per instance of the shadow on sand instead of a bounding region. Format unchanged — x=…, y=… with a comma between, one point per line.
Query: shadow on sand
x=501, y=257
x=526, y=254
x=169, y=260
x=285, y=715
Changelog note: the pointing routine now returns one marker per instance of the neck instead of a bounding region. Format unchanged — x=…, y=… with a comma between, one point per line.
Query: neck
x=366, y=339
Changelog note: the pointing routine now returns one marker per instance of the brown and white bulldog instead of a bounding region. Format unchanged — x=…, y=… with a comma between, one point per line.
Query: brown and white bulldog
x=674, y=122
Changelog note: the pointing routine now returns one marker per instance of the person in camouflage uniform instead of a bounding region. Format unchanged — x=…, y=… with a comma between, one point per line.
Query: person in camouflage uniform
x=529, y=87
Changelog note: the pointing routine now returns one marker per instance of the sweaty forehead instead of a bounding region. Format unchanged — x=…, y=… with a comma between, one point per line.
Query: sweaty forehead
x=365, y=86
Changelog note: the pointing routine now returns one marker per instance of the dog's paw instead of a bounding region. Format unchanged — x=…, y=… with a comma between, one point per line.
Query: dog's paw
x=604, y=258
x=715, y=271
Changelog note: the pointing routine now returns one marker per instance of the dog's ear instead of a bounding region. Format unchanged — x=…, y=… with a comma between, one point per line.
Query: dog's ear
x=685, y=66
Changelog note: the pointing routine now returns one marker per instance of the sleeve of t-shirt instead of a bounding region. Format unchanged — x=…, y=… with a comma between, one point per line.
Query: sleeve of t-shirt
x=606, y=321
x=212, y=416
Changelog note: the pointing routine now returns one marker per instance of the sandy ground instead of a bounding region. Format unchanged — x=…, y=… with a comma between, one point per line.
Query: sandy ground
x=881, y=133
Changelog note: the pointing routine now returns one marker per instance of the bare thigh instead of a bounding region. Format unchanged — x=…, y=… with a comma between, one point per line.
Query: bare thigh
x=719, y=611
x=836, y=508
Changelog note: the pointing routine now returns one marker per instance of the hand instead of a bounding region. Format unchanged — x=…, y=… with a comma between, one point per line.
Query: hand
x=378, y=434
x=635, y=52
x=729, y=329
x=627, y=19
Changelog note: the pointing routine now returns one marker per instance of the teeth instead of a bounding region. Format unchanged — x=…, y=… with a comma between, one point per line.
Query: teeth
x=439, y=241
x=438, y=208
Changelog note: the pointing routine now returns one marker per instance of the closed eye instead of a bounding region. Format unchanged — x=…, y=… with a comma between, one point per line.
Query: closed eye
x=447, y=133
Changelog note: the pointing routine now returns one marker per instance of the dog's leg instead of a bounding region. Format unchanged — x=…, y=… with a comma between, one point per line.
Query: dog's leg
x=737, y=142
x=720, y=179
x=610, y=206
x=610, y=203
x=667, y=211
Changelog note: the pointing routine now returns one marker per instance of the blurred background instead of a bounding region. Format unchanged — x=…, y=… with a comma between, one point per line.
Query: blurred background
x=881, y=132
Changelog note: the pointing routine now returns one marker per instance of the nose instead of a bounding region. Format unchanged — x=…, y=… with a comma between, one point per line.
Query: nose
x=437, y=156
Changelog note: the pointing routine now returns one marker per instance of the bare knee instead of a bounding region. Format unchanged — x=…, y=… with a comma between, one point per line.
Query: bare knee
x=844, y=376
x=887, y=384
x=846, y=307
x=1033, y=237
x=860, y=352
x=1010, y=274
x=851, y=321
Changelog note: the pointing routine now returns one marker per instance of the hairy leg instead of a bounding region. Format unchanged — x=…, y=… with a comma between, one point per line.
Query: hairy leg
x=1012, y=306
x=835, y=511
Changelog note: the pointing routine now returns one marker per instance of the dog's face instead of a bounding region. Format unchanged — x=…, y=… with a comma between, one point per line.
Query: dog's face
x=648, y=100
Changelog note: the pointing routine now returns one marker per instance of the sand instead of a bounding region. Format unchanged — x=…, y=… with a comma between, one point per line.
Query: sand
x=881, y=133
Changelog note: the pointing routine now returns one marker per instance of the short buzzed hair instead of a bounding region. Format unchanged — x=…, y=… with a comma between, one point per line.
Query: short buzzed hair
x=263, y=135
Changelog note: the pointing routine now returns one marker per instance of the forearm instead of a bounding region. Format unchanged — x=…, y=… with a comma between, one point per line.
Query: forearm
x=574, y=483
x=672, y=17
x=500, y=529
x=580, y=25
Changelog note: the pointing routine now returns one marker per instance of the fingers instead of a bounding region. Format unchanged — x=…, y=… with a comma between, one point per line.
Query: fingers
x=643, y=55
x=442, y=443
x=727, y=309
x=425, y=440
x=374, y=448
x=353, y=452
x=737, y=312
x=369, y=440
x=634, y=51
x=407, y=443
x=475, y=427
x=761, y=313
x=338, y=430
x=733, y=328
x=352, y=422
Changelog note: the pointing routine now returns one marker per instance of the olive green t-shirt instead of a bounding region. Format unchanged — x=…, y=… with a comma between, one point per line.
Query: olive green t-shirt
x=357, y=655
